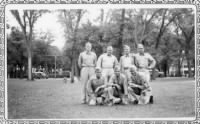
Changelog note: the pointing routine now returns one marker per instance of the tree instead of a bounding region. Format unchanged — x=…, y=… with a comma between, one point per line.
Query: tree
x=26, y=19
x=16, y=53
x=185, y=23
x=71, y=19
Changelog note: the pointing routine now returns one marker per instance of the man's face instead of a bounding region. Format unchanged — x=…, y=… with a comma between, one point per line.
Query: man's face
x=109, y=51
x=117, y=72
x=141, y=50
x=126, y=51
x=98, y=74
x=133, y=72
x=88, y=47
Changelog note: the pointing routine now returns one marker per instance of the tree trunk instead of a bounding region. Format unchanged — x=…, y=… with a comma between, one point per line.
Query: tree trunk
x=120, y=41
x=29, y=65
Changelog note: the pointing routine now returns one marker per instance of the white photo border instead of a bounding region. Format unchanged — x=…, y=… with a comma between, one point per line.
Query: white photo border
x=3, y=63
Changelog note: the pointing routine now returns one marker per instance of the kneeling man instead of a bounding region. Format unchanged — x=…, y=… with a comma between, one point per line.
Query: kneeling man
x=96, y=88
x=139, y=90
x=117, y=88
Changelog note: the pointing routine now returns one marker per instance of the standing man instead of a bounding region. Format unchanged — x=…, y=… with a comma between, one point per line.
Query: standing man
x=144, y=62
x=87, y=62
x=126, y=61
x=107, y=62
x=97, y=88
x=117, y=88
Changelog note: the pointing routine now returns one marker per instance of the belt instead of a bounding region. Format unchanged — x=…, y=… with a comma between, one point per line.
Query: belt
x=107, y=67
x=87, y=66
x=126, y=68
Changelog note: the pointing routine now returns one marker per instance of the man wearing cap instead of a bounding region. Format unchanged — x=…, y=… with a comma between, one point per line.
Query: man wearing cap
x=144, y=62
x=107, y=62
x=138, y=88
x=126, y=61
x=117, y=88
x=97, y=88
x=87, y=62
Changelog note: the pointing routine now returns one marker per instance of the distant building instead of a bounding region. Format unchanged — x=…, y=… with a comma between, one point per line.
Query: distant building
x=173, y=70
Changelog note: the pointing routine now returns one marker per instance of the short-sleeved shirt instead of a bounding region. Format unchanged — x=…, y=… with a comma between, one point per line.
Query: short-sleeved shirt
x=120, y=80
x=137, y=79
x=105, y=61
x=94, y=83
x=126, y=61
x=87, y=59
x=142, y=61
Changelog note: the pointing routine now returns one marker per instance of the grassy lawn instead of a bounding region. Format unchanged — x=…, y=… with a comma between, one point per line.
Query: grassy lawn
x=51, y=98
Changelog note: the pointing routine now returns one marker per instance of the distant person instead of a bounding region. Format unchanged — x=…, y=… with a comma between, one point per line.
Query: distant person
x=107, y=62
x=97, y=88
x=126, y=61
x=117, y=88
x=139, y=90
x=87, y=62
x=144, y=62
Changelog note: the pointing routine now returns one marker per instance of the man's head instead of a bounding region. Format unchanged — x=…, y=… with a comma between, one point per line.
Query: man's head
x=126, y=49
x=140, y=48
x=133, y=70
x=117, y=70
x=98, y=72
x=88, y=46
x=109, y=50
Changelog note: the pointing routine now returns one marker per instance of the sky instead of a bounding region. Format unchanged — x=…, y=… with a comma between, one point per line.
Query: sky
x=49, y=23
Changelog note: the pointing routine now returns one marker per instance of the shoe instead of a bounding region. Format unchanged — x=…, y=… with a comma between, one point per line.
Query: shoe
x=135, y=102
x=92, y=102
x=116, y=100
x=84, y=102
x=110, y=102
x=151, y=100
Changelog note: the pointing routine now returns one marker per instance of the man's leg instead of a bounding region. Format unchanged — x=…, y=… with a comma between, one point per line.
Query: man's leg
x=84, y=78
x=132, y=95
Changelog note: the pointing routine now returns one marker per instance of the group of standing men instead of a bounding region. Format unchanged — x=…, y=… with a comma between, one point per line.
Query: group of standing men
x=107, y=81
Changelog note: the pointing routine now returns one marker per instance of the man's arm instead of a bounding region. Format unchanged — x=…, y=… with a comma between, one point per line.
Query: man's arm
x=99, y=61
x=152, y=61
x=95, y=59
x=121, y=65
x=80, y=60
x=115, y=62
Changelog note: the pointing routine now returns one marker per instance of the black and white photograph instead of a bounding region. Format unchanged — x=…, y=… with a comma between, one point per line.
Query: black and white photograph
x=120, y=62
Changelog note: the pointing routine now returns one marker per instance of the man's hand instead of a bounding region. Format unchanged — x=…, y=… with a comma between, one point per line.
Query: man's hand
x=116, y=85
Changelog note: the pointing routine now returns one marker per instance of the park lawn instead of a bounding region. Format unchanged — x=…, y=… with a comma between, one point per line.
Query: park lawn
x=51, y=98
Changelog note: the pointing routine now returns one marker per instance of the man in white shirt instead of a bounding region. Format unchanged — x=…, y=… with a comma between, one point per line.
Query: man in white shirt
x=126, y=61
x=107, y=62
x=87, y=62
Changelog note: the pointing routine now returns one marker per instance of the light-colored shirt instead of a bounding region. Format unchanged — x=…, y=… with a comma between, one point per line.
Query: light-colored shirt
x=105, y=61
x=138, y=80
x=119, y=80
x=87, y=59
x=144, y=61
x=94, y=83
x=126, y=61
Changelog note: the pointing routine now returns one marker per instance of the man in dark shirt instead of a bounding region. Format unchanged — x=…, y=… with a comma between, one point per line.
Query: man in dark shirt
x=96, y=88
